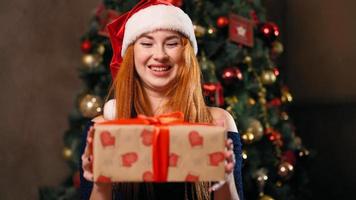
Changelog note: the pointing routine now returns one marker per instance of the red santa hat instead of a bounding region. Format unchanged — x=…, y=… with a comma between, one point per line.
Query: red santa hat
x=145, y=17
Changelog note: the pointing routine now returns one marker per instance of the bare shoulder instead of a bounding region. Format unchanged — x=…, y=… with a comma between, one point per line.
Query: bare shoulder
x=222, y=117
x=99, y=118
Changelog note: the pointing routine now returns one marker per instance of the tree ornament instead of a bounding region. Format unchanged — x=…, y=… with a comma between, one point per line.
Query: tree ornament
x=248, y=137
x=277, y=48
x=284, y=116
x=67, y=153
x=261, y=177
x=255, y=127
x=275, y=102
x=231, y=100
x=101, y=49
x=214, y=92
x=90, y=105
x=286, y=96
x=86, y=46
x=268, y=77
x=269, y=32
x=208, y=69
x=247, y=60
x=244, y=154
x=266, y=197
x=289, y=157
x=222, y=21
x=303, y=153
x=251, y=101
x=91, y=61
x=285, y=169
x=241, y=30
x=276, y=71
x=232, y=74
x=76, y=180
x=211, y=31
x=274, y=136
x=199, y=31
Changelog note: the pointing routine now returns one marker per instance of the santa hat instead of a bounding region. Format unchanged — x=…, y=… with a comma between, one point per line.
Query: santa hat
x=145, y=17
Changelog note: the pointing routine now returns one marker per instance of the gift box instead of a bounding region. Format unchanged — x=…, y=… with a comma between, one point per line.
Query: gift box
x=160, y=149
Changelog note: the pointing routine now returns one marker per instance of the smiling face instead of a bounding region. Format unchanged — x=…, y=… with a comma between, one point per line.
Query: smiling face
x=157, y=57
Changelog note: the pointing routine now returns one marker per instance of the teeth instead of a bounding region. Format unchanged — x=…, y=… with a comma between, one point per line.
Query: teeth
x=159, y=69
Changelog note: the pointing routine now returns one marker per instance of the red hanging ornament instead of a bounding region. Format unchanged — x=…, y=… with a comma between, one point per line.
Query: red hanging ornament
x=232, y=74
x=274, y=102
x=86, y=46
x=289, y=156
x=177, y=3
x=214, y=92
x=76, y=180
x=276, y=71
x=269, y=31
x=222, y=21
x=274, y=136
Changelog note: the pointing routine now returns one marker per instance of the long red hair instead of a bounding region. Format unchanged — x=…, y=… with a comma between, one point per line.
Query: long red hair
x=185, y=96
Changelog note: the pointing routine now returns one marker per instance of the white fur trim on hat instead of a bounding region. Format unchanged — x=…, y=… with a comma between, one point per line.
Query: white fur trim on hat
x=110, y=110
x=158, y=17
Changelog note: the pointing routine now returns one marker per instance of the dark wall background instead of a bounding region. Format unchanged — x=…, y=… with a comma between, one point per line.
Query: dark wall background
x=39, y=55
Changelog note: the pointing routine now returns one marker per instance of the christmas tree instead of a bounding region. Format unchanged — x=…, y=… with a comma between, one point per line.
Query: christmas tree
x=238, y=49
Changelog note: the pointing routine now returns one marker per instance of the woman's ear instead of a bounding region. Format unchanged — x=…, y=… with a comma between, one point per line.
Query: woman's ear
x=110, y=110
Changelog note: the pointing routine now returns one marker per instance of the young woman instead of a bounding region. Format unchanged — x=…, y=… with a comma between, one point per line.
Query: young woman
x=155, y=71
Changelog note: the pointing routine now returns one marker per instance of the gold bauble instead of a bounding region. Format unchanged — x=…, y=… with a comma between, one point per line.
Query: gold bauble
x=248, y=137
x=285, y=169
x=303, y=152
x=251, y=101
x=262, y=100
x=90, y=105
x=199, y=31
x=286, y=97
x=266, y=197
x=231, y=100
x=247, y=60
x=256, y=128
x=277, y=47
x=101, y=49
x=67, y=153
x=268, y=77
x=91, y=61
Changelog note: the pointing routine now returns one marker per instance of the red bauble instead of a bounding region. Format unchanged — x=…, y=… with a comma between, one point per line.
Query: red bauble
x=274, y=102
x=269, y=31
x=221, y=22
x=276, y=71
x=86, y=46
x=177, y=3
x=232, y=74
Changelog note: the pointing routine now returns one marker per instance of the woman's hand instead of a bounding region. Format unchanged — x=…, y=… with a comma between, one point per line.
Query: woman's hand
x=100, y=190
x=87, y=157
x=229, y=165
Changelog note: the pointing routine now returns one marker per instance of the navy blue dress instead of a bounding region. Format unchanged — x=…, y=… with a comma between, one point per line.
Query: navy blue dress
x=162, y=191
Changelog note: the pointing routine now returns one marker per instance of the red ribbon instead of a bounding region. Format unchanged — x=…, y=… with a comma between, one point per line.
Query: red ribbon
x=160, y=144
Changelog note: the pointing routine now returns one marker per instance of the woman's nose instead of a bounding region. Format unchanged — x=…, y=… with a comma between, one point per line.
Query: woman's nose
x=160, y=53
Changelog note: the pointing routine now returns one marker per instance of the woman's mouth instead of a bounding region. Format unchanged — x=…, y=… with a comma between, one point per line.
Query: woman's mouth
x=160, y=68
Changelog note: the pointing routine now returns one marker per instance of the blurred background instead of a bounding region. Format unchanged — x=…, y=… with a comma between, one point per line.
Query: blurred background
x=39, y=59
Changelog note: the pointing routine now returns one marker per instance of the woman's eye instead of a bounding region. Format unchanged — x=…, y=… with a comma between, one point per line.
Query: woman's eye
x=172, y=44
x=146, y=44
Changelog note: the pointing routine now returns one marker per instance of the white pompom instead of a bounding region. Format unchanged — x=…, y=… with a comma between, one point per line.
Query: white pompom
x=110, y=110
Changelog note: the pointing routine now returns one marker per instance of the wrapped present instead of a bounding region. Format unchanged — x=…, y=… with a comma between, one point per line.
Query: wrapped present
x=160, y=149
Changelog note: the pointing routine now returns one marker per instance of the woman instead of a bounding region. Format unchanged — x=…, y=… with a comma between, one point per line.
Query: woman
x=155, y=47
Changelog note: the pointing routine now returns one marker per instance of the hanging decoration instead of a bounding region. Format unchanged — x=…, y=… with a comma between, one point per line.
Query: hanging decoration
x=241, y=30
